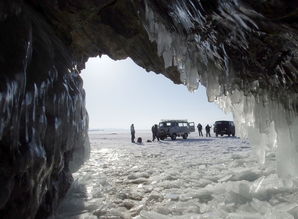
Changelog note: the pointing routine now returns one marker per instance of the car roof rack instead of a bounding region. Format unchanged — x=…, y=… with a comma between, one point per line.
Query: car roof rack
x=174, y=120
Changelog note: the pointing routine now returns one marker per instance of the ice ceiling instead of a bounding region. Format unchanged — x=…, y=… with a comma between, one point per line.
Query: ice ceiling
x=244, y=52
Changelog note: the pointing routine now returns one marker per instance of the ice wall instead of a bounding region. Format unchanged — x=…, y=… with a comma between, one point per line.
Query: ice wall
x=233, y=50
x=43, y=118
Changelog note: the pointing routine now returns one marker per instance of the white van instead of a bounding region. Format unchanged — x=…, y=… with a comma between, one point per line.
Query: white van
x=175, y=128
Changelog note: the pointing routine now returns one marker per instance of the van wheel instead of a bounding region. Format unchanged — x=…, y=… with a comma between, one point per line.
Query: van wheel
x=174, y=136
x=229, y=135
x=233, y=134
x=185, y=136
x=221, y=134
x=216, y=135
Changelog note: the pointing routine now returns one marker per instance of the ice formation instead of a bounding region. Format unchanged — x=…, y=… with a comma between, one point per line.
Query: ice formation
x=200, y=54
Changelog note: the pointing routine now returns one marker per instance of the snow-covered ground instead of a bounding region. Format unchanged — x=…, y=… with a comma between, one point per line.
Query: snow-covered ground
x=194, y=178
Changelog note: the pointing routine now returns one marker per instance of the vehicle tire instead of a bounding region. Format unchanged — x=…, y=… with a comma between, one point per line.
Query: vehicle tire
x=185, y=136
x=162, y=138
x=174, y=136
x=216, y=135
x=233, y=134
x=221, y=134
x=229, y=134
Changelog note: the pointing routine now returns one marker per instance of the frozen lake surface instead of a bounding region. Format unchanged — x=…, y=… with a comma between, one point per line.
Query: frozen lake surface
x=194, y=178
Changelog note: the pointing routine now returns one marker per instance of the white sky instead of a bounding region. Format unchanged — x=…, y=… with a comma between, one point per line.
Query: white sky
x=119, y=93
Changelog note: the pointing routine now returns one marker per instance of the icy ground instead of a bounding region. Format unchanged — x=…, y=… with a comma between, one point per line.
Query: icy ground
x=193, y=178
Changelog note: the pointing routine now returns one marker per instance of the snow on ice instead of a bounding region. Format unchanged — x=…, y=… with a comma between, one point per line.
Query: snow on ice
x=193, y=178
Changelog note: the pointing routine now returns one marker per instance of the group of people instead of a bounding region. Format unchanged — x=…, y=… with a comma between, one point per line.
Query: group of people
x=207, y=128
x=155, y=135
x=154, y=130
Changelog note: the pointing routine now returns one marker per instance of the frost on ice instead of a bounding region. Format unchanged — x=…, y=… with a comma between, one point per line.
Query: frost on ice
x=270, y=122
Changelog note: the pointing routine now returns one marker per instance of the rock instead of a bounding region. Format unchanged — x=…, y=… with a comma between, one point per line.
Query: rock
x=43, y=118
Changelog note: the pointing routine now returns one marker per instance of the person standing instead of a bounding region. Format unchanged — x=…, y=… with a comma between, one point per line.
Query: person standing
x=208, y=130
x=132, y=132
x=155, y=132
x=200, y=129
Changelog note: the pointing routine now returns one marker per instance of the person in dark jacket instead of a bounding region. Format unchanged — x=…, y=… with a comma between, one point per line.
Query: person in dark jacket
x=154, y=130
x=200, y=129
x=132, y=132
x=207, y=128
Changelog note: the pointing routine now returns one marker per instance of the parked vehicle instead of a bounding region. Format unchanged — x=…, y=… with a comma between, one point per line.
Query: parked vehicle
x=224, y=128
x=175, y=128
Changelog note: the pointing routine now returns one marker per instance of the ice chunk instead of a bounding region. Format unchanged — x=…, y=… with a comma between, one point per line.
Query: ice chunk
x=226, y=178
x=152, y=215
x=163, y=210
x=139, y=181
x=243, y=215
x=135, y=196
x=172, y=196
x=203, y=182
x=155, y=197
x=255, y=187
x=238, y=193
x=247, y=175
x=273, y=214
x=136, y=210
x=294, y=212
x=203, y=195
x=128, y=204
x=117, y=213
x=137, y=175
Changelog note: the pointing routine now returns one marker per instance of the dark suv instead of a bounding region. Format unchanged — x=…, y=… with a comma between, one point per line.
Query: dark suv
x=224, y=128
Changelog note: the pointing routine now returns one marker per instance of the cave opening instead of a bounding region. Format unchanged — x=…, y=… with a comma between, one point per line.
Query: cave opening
x=119, y=93
x=150, y=180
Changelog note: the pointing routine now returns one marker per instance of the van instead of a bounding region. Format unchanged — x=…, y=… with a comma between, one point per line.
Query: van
x=224, y=128
x=175, y=128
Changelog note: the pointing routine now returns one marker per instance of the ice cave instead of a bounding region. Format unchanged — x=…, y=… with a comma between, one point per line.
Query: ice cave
x=245, y=52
